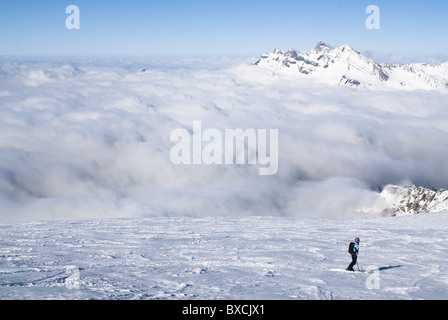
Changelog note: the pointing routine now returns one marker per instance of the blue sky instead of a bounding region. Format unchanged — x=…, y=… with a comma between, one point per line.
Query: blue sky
x=220, y=27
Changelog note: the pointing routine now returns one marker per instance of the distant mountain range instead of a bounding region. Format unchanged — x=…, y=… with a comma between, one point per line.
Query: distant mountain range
x=346, y=66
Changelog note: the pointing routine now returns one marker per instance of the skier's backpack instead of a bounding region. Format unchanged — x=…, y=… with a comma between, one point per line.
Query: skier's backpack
x=351, y=247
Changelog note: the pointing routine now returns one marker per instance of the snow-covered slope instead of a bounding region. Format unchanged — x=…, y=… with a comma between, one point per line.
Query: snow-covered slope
x=225, y=258
x=346, y=66
x=412, y=200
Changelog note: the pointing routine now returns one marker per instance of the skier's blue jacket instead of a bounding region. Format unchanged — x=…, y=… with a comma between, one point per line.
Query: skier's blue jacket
x=356, y=248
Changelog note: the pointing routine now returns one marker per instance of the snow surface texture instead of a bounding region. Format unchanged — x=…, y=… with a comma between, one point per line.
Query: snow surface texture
x=89, y=138
x=346, y=66
x=225, y=258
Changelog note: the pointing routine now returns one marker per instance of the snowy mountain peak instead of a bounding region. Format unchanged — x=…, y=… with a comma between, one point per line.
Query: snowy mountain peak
x=322, y=47
x=413, y=200
x=347, y=48
x=346, y=66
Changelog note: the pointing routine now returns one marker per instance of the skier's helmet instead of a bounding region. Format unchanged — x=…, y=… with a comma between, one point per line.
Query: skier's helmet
x=357, y=240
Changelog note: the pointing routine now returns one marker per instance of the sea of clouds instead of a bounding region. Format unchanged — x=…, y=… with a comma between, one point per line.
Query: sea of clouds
x=90, y=138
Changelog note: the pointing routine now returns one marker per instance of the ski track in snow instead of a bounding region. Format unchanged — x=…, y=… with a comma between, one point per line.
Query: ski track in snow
x=224, y=258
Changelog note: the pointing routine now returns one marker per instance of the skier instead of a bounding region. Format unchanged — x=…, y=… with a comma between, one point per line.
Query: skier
x=354, y=251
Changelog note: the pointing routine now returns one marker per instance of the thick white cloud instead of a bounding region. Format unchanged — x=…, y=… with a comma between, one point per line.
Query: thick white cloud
x=90, y=138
